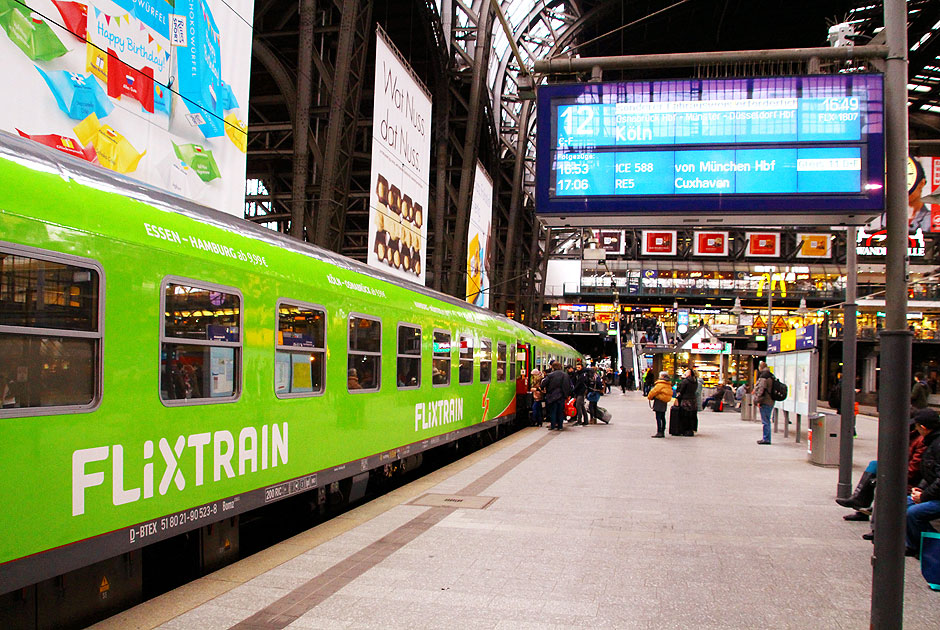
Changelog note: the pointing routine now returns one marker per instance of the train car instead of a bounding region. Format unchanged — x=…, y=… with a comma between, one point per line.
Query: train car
x=166, y=367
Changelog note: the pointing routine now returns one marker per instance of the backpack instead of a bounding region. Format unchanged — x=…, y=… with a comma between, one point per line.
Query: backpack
x=778, y=389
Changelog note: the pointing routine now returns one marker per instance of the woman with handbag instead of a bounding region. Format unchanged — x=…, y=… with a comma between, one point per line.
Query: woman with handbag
x=687, y=395
x=535, y=389
x=659, y=397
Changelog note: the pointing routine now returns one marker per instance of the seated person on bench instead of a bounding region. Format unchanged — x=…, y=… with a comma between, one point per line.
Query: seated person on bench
x=717, y=396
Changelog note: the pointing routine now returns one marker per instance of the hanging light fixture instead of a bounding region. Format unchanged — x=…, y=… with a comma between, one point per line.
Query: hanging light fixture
x=802, y=310
x=737, y=309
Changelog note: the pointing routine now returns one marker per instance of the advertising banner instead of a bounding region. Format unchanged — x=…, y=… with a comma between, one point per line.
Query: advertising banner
x=479, y=256
x=710, y=244
x=814, y=245
x=923, y=196
x=659, y=243
x=611, y=241
x=151, y=89
x=763, y=244
x=401, y=146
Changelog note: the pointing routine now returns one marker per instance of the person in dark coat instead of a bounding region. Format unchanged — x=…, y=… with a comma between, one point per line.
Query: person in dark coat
x=622, y=379
x=579, y=391
x=688, y=405
x=556, y=385
x=923, y=505
x=919, y=392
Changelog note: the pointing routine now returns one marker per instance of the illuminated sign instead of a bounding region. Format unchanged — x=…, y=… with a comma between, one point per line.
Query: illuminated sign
x=711, y=348
x=801, y=144
x=772, y=280
x=790, y=340
x=873, y=243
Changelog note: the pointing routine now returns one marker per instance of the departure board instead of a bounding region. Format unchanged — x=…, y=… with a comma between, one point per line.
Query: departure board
x=781, y=144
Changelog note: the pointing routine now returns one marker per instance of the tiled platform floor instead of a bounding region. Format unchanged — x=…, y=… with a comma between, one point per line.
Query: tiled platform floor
x=594, y=527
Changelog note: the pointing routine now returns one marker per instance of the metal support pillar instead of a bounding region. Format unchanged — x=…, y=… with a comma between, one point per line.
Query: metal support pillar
x=515, y=201
x=887, y=593
x=540, y=302
x=302, y=120
x=471, y=146
x=844, y=488
x=337, y=155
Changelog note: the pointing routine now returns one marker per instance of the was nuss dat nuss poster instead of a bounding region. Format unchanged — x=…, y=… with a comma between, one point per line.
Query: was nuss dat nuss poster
x=156, y=90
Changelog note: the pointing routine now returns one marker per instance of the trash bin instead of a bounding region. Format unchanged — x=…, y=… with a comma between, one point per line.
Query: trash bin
x=823, y=449
x=748, y=408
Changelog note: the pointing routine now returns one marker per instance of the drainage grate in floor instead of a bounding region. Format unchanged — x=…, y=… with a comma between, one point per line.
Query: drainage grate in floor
x=453, y=500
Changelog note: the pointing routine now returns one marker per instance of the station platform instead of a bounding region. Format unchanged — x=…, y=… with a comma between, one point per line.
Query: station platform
x=592, y=527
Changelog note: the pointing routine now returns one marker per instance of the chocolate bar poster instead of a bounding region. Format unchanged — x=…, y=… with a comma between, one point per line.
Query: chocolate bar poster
x=710, y=244
x=814, y=245
x=401, y=146
x=658, y=243
x=763, y=244
x=479, y=256
x=156, y=90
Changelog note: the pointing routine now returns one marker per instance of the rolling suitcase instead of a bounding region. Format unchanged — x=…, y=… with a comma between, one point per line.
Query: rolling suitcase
x=675, y=421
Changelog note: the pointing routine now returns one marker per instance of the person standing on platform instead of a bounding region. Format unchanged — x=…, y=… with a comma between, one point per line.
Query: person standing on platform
x=648, y=381
x=920, y=392
x=688, y=403
x=622, y=380
x=923, y=505
x=535, y=388
x=765, y=381
x=557, y=386
x=579, y=391
x=660, y=394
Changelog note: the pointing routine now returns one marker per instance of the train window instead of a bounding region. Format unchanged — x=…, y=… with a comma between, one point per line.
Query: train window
x=409, y=356
x=486, y=360
x=512, y=363
x=300, y=350
x=501, y=362
x=440, y=365
x=200, y=342
x=364, y=363
x=50, y=332
x=465, y=368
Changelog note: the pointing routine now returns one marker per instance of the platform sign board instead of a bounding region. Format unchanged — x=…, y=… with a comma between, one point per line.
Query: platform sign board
x=792, y=340
x=479, y=256
x=150, y=89
x=401, y=147
x=712, y=147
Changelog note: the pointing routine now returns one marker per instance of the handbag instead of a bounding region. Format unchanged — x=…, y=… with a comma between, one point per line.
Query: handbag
x=593, y=396
x=687, y=404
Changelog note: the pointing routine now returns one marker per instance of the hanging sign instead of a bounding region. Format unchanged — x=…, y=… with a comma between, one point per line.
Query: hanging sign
x=710, y=244
x=659, y=243
x=763, y=244
x=814, y=245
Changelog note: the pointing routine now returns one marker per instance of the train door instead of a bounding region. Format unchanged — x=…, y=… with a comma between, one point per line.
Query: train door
x=523, y=361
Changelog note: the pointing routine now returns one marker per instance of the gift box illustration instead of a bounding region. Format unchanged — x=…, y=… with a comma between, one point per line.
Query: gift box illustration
x=30, y=32
x=199, y=67
x=129, y=54
x=74, y=16
x=77, y=95
x=114, y=151
x=64, y=144
x=199, y=159
x=237, y=132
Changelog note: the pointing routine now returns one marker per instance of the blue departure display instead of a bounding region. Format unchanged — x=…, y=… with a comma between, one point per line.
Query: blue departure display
x=782, y=144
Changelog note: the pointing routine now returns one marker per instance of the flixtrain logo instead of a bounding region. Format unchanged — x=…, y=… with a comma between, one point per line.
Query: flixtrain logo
x=873, y=243
x=183, y=458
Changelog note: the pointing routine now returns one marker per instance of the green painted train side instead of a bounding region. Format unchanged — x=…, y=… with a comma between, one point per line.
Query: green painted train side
x=47, y=472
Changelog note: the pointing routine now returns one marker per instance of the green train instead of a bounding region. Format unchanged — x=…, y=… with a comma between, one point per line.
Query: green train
x=166, y=367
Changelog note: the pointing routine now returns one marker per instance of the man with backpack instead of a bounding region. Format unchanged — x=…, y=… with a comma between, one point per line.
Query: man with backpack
x=762, y=388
